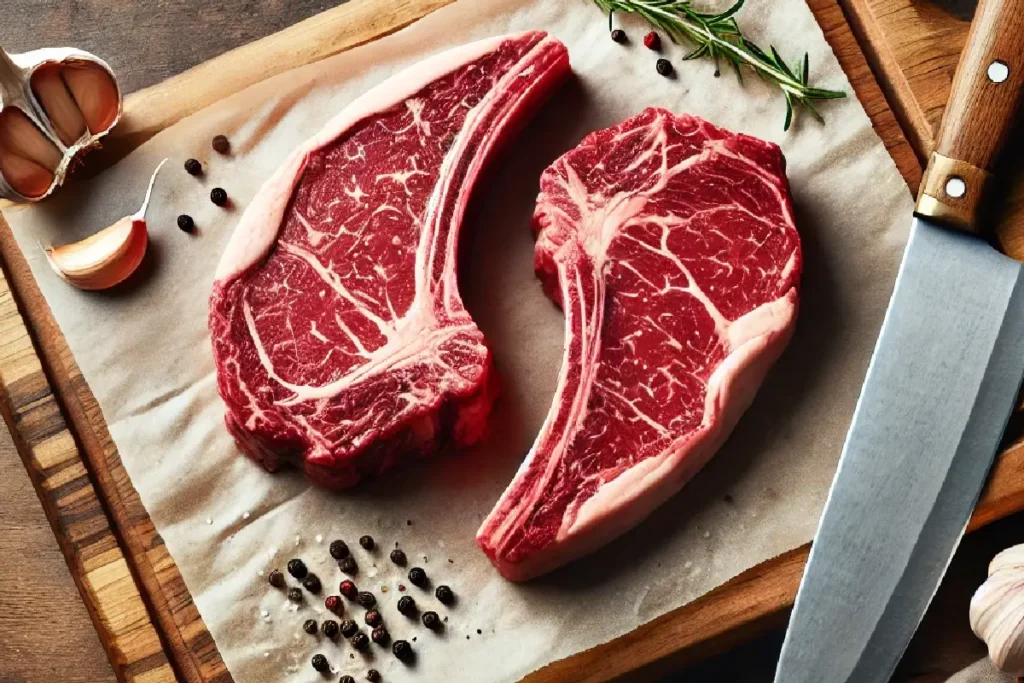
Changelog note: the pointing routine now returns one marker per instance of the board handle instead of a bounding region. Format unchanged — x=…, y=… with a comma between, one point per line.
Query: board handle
x=986, y=93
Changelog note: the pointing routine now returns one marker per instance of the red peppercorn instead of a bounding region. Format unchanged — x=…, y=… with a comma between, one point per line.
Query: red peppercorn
x=619, y=36
x=333, y=603
x=652, y=41
x=348, y=589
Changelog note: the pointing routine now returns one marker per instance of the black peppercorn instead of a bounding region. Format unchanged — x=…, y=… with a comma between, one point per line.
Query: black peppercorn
x=346, y=679
x=360, y=641
x=333, y=603
x=312, y=583
x=398, y=557
x=330, y=628
x=619, y=36
x=431, y=620
x=219, y=196
x=320, y=663
x=373, y=618
x=664, y=67
x=348, y=589
x=366, y=599
x=366, y=542
x=297, y=568
x=276, y=579
x=193, y=167
x=310, y=627
x=339, y=550
x=406, y=605
x=418, y=577
x=445, y=595
x=348, y=565
x=380, y=636
x=220, y=144
x=185, y=223
x=402, y=649
x=349, y=628
x=295, y=595
x=373, y=676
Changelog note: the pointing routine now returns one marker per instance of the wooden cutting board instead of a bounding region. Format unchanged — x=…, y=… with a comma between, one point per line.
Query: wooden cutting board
x=139, y=603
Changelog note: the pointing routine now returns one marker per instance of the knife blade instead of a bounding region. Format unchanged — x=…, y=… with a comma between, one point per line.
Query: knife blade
x=939, y=390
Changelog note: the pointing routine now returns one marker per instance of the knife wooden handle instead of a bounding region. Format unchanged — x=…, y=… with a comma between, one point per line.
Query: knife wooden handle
x=987, y=88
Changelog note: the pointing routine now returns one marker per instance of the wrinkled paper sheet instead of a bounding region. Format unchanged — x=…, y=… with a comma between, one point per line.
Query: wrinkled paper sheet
x=145, y=352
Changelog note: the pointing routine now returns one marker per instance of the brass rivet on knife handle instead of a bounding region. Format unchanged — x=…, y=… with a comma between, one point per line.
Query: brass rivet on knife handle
x=985, y=96
x=950, y=192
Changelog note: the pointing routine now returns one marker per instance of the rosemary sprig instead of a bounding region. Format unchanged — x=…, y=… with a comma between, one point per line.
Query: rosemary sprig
x=718, y=36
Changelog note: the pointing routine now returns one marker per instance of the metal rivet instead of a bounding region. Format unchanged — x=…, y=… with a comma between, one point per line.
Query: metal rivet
x=956, y=187
x=998, y=71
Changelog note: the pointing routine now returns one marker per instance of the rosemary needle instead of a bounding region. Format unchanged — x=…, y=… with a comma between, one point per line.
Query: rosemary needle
x=719, y=37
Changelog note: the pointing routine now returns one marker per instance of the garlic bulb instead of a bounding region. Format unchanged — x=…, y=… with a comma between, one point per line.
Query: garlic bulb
x=108, y=257
x=997, y=611
x=54, y=104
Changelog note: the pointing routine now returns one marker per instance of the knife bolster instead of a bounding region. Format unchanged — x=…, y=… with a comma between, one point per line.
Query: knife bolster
x=951, y=192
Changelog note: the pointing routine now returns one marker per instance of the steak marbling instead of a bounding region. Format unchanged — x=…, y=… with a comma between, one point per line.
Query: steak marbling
x=339, y=334
x=670, y=245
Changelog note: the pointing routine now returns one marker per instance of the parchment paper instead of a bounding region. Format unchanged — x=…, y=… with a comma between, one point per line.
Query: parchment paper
x=145, y=352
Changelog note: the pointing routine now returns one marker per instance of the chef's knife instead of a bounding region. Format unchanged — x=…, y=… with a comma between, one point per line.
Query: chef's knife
x=939, y=390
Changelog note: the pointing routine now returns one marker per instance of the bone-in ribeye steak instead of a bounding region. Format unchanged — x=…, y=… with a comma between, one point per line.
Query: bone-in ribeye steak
x=670, y=245
x=340, y=338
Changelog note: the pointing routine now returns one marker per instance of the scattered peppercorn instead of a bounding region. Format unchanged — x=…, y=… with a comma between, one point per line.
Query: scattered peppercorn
x=445, y=595
x=276, y=579
x=402, y=649
x=295, y=595
x=619, y=36
x=431, y=620
x=380, y=636
x=360, y=641
x=479, y=632
x=652, y=41
x=348, y=589
x=366, y=542
x=406, y=605
x=346, y=679
x=219, y=196
x=418, y=577
x=664, y=67
x=330, y=628
x=193, y=167
x=349, y=628
x=401, y=588
x=348, y=565
x=333, y=603
x=297, y=568
x=185, y=223
x=373, y=618
x=339, y=550
x=366, y=599
x=320, y=663
x=310, y=627
x=408, y=522
x=220, y=144
x=373, y=676
x=312, y=583
x=398, y=557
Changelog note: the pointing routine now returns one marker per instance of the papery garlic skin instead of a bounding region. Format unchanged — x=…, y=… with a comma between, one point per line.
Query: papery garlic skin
x=89, y=87
x=997, y=611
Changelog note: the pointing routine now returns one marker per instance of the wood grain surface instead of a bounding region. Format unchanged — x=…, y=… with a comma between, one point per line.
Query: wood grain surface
x=752, y=602
x=39, y=602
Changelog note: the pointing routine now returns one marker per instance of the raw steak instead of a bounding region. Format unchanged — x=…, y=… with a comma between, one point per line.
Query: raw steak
x=671, y=247
x=340, y=338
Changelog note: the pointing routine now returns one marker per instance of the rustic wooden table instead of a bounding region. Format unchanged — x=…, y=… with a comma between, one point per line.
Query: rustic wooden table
x=43, y=623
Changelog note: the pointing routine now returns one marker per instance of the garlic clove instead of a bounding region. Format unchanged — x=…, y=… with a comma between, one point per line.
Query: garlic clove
x=108, y=257
x=58, y=104
x=95, y=92
x=26, y=177
x=20, y=137
x=997, y=611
